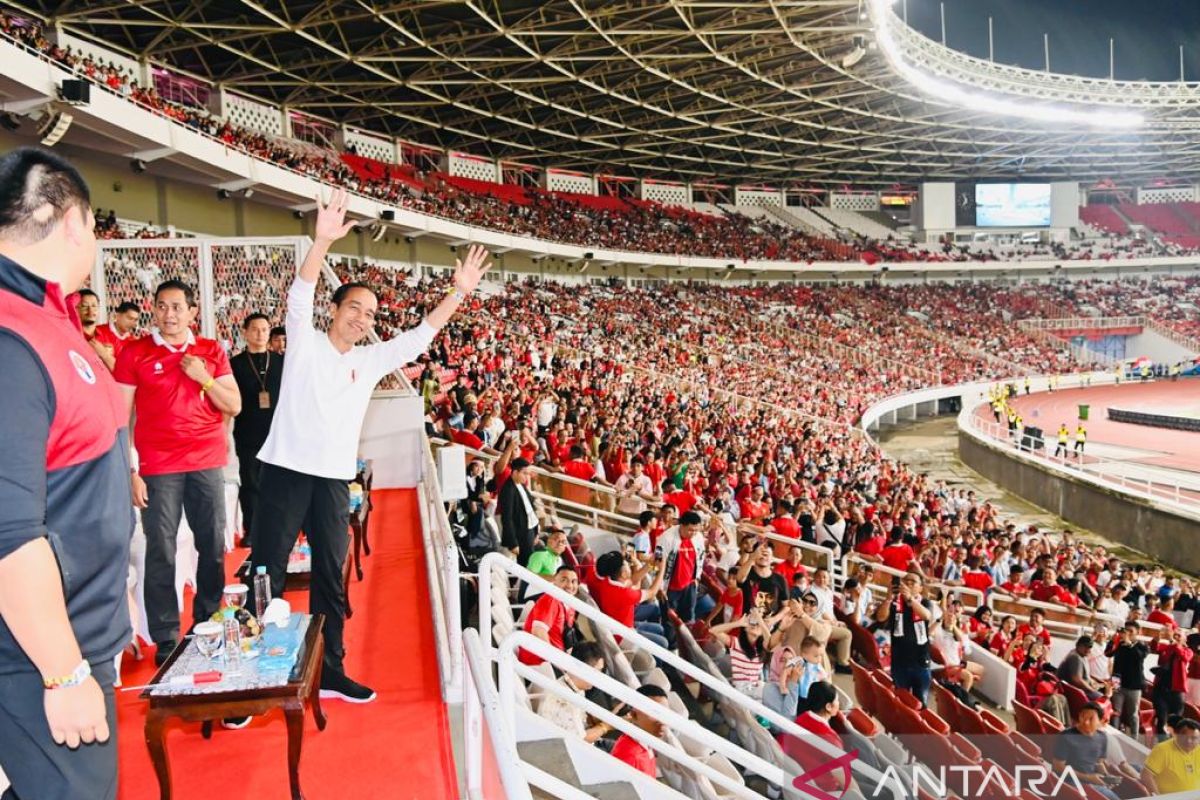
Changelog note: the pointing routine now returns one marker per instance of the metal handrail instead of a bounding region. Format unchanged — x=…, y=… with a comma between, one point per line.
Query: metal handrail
x=482, y=697
x=511, y=669
x=496, y=565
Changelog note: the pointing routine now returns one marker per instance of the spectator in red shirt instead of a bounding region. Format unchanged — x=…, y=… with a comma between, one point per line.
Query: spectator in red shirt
x=182, y=389
x=577, y=466
x=975, y=577
x=898, y=554
x=1048, y=590
x=110, y=339
x=785, y=523
x=683, y=548
x=1035, y=628
x=1170, y=682
x=790, y=567
x=617, y=590
x=1160, y=614
x=468, y=435
x=629, y=749
x=550, y=620
x=1014, y=585
x=754, y=509
x=823, y=705
x=683, y=500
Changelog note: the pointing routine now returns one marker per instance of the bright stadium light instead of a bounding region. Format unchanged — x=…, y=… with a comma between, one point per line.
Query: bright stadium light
x=978, y=101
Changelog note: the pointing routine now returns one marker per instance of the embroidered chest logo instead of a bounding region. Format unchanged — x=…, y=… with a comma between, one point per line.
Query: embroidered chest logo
x=157, y=367
x=82, y=367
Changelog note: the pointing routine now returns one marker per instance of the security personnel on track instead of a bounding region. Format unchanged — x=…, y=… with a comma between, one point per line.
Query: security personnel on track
x=1064, y=436
x=1080, y=439
x=66, y=515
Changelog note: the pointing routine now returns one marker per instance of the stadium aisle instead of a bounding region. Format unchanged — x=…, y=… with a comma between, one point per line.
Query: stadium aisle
x=399, y=746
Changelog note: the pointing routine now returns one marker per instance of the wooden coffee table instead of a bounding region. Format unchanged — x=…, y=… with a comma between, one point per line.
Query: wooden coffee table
x=303, y=688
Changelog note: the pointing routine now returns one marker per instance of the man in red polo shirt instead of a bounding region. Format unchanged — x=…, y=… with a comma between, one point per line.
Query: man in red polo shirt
x=181, y=387
x=109, y=339
x=630, y=750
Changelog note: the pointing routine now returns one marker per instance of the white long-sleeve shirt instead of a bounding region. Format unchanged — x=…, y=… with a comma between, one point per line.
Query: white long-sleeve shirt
x=324, y=394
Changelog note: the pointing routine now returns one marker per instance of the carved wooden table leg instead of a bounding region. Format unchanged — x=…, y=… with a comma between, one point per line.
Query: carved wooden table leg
x=294, y=711
x=156, y=744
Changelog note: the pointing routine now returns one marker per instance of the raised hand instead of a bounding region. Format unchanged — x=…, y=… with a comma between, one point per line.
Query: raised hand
x=468, y=272
x=195, y=368
x=331, y=216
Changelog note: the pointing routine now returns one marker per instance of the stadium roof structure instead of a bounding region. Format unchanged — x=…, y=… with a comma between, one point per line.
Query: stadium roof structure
x=785, y=92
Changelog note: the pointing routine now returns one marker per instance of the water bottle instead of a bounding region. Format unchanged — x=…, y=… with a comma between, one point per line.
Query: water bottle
x=262, y=592
x=233, y=642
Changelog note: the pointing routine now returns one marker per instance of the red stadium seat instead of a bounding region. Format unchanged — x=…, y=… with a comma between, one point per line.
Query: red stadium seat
x=1027, y=719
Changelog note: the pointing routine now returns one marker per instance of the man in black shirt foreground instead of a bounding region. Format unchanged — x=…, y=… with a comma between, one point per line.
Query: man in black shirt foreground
x=1129, y=668
x=908, y=616
x=258, y=372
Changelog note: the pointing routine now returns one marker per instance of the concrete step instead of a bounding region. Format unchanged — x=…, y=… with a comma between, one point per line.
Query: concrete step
x=553, y=757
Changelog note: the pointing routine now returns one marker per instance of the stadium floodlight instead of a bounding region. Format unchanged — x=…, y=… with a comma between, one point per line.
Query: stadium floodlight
x=882, y=18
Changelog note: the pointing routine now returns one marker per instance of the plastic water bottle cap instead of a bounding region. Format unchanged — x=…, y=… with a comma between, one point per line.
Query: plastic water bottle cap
x=260, y=570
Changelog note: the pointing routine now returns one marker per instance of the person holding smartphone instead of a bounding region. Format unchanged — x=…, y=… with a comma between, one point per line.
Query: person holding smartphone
x=907, y=615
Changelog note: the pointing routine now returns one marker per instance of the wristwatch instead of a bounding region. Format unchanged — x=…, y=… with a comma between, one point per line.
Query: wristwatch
x=80, y=674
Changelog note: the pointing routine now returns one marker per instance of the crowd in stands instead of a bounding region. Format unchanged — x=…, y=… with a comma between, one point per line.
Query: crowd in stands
x=1170, y=301
x=601, y=222
x=656, y=411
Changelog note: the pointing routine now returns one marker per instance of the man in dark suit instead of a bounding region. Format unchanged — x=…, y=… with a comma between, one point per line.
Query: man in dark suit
x=518, y=519
x=258, y=373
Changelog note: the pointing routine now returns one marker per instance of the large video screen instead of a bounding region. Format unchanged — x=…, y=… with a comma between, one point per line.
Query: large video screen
x=1012, y=205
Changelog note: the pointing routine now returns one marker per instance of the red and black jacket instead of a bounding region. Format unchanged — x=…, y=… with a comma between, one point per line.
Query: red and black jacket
x=65, y=471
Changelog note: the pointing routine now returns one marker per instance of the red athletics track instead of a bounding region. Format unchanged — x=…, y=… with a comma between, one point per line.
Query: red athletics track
x=1175, y=449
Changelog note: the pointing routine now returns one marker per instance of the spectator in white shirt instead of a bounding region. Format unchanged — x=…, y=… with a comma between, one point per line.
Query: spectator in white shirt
x=311, y=452
x=634, y=488
x=569, y=716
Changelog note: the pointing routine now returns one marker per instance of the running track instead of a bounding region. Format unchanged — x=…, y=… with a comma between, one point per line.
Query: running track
x=1173, y=449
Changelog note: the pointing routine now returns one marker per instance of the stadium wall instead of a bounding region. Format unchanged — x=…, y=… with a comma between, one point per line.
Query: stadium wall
x=1124, y=519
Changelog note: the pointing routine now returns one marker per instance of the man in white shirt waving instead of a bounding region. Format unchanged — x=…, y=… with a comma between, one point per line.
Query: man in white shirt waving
x=311, y=452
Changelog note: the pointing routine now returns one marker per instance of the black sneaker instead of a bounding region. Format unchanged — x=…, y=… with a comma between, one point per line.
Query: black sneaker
x=336, y=686
x=235, y=723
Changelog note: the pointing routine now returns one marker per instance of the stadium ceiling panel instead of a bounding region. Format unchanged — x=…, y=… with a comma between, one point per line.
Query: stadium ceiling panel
x=785, y=92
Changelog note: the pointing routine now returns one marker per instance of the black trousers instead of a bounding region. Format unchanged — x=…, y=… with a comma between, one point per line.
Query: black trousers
x=38, y=768
x=200, y=496
x=289, y=502
x=248, y=467
x=1167, y=704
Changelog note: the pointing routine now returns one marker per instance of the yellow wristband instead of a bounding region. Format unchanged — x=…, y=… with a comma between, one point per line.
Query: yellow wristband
x=208, y=384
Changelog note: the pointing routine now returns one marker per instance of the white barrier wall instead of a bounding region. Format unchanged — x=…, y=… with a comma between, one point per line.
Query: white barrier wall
x=393, y=438
x=1064, y=204
x=935, y=207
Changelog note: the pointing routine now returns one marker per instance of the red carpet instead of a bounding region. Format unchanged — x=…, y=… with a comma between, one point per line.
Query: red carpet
x=396, y=747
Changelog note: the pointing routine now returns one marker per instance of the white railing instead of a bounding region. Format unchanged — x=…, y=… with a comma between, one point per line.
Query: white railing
x=511, y=670
x=488, y=744
x=441, y=566
x=1081, y=323
x=496, y=567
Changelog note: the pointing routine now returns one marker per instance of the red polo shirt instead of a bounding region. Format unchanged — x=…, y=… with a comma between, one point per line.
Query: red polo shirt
x=635, y=755
x=104, y=334
x=176, y=429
